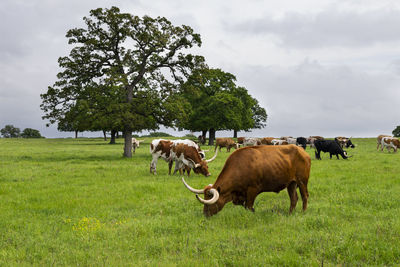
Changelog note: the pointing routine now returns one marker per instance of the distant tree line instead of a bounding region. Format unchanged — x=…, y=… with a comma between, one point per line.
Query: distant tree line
x=127, y=74
x=9, y=131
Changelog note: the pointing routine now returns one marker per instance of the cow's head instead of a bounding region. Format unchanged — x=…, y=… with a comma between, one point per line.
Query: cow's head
x=350, y=144
x=212, y=201
x=202, y=167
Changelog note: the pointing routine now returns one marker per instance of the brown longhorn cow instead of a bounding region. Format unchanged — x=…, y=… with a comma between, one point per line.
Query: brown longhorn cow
x=250, y=171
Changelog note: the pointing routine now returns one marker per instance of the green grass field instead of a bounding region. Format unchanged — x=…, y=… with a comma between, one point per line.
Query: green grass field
x=70, y=202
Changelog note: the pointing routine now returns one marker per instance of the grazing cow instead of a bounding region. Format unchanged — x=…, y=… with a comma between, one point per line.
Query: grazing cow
x=344, y=142
x=317, y=137
x=135, y=144
x=267, y=140
x=161, y=148
x=226, y=142
x=251, y=141
x=279, y=142
x=379, y=140
x=268, y=169
x=291, y=140
x=330, y=146
x=188, y=156
x=390, y=142
x=301, y=141
x=201, y=139
x=240, y=140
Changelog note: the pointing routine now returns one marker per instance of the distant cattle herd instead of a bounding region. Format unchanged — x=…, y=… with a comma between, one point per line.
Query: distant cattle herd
x=258, y=165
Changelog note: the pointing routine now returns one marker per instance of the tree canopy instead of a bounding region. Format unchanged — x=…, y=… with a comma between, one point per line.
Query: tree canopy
x=217, y=103
x=9, y=131
x=125, y=70
x=30, y=133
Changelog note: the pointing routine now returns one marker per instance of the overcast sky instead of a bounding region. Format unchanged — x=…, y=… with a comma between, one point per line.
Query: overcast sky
x=319, y=67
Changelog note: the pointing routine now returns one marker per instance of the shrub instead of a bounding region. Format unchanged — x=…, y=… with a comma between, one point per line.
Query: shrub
x=157, y=134
x=30, y=133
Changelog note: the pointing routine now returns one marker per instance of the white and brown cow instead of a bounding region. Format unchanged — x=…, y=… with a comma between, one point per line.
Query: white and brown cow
x=188, y=157
x=291, y=140
x=251, y=141
x=379, y=140
x=279, y=142
x=135, y=144
x=390, y=142
x=161, y=148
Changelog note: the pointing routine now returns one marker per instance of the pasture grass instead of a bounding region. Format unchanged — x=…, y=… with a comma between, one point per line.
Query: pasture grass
x=79, y=202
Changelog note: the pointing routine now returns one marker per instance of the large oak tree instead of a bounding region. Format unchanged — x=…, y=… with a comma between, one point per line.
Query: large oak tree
x=127, y=69
x=217, y=103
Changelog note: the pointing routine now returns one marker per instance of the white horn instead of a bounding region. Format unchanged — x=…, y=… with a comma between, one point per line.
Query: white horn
x=196, y=191
x=216, y=153
x=196, y=165
x=210, y=201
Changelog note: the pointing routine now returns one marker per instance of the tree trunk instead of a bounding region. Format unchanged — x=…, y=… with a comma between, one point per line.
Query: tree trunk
x=211, y=137
x=235, y=133
x=128, y=143
x=76, y=134
x=112, y=139
x=117, y=134
x=105, y=135
x=204, y=134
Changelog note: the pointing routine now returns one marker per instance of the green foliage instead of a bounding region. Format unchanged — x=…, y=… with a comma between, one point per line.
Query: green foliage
x=68, y=202
x=9, y=131
x=396, y=132
x=30, y=133
x=121, y=74
x=157, y=134
x=190, y=136
x=217, y=102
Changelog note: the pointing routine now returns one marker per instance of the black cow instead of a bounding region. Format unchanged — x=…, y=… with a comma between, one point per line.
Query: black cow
x=331, y=146
x=301, y=141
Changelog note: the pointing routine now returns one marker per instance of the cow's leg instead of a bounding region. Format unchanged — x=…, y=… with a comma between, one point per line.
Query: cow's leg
x=292, y=195
x=170, y=163
x=304, y=194
x=317, y=154
x=153, y=164
x=337, y=155
x=250, y=197
x=177, y=167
